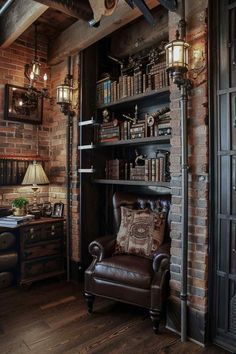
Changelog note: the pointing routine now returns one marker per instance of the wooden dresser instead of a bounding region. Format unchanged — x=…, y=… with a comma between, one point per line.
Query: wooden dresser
x=8, y=257
x=40, y=249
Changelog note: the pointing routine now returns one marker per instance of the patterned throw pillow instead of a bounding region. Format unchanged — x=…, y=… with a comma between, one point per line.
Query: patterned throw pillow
x=141, y=232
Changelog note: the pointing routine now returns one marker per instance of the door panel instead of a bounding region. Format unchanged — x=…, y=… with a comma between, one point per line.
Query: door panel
x=224, y=237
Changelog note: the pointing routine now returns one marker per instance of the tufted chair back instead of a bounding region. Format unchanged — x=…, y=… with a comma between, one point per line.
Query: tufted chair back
x=135, y=201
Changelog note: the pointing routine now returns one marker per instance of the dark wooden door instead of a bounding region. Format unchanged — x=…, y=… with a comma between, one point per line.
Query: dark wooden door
x=224, y=237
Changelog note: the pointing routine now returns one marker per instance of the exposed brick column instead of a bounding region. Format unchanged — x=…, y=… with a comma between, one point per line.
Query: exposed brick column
x=198, y=176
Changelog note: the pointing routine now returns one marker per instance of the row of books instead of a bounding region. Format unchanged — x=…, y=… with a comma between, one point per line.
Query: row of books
x=109, y=90
x=14, y=221
x=12, y=171
x=125, y=130
x=153, y=169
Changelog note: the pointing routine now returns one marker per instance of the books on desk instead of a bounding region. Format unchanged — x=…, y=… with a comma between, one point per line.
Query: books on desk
x=14, y=221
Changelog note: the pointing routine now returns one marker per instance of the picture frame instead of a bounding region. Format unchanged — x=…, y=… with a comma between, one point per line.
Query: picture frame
x=58, y=209
x=19, y=107
x=46, y=210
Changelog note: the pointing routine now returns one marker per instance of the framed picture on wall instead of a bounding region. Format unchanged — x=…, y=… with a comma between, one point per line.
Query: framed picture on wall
x=22, y=107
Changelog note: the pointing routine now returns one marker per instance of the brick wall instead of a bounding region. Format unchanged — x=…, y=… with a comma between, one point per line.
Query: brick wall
x=19, y=138
x=198, y=173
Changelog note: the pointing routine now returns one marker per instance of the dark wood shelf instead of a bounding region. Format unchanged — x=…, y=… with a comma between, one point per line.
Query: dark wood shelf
x=150, y=140
x=132, y=183
x=134, y=98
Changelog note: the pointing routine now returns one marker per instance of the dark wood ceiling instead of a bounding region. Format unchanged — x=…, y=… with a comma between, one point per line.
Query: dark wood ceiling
x=53, y=22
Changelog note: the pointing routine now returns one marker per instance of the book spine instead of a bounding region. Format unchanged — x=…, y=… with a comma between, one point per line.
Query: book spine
x=157, y=170
x=153, y=173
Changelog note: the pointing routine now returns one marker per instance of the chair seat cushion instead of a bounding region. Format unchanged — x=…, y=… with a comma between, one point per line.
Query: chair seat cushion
x=125, y=269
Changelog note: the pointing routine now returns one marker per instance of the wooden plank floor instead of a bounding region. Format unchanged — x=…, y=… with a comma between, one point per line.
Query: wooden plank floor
x=51, y=317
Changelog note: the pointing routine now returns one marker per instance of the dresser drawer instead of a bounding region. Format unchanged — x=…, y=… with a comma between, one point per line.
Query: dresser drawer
x=42, y=266
x=8, y=260
x=42, y=250
x=38, y=233
x=7, y=240
x=6, y=279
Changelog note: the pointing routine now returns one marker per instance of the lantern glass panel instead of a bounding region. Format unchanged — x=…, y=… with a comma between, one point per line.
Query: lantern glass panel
x=63, y=94
x=177, y=54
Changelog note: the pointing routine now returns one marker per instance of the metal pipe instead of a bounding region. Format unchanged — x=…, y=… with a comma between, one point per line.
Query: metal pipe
x=184, y=249
x=68, y=183
x=5, y=6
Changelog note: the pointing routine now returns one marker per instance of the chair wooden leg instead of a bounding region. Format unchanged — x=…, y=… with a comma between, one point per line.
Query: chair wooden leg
x=156, y=318
x=89, y=298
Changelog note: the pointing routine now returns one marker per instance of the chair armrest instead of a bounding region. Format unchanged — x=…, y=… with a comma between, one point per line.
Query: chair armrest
x=162, y=254
x=103, y=247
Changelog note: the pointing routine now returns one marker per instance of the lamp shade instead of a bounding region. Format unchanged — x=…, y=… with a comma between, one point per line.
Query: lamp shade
x=177, y=55
x=64, y=94
x=35, y=175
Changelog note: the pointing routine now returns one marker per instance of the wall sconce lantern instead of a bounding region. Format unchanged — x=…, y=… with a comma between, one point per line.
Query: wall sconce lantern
x=64, y=95
x=177, y=59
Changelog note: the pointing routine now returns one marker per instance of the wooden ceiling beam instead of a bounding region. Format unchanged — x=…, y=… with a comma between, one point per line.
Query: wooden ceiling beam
x=80, y=9
x=19, y=17
x=79, y=35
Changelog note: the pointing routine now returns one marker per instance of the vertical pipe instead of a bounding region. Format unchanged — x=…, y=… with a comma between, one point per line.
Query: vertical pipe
x=184, y=249
x=68, y=184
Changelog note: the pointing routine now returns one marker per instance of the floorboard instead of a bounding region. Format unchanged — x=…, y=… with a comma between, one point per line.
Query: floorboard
x=51, y=317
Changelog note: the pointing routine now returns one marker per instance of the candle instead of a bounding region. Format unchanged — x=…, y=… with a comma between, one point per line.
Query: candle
x=45, y=77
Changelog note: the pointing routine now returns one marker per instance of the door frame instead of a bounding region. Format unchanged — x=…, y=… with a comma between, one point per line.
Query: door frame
x=213, y=74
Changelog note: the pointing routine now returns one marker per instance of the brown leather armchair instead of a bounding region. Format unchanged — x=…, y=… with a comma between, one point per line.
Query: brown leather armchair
x=130, y=278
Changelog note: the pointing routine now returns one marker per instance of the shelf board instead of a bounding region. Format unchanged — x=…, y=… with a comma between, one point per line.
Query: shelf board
x=137, y=97
x=132, y=183
x=157, y=140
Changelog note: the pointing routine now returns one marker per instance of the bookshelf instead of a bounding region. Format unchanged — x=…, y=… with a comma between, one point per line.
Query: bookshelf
x=132, y=183
x=105, y=143
x=160, y=93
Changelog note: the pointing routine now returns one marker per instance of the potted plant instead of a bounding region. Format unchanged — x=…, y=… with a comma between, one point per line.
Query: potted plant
x=19, y=206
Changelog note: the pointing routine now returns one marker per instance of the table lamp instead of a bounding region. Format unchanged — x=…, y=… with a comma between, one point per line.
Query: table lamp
x=35, y=176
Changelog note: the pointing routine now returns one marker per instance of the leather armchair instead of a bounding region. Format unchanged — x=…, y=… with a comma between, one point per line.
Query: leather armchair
x=130, y=278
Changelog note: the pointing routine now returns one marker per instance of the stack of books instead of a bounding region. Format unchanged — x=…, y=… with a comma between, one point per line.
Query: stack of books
x=109, y=131
x=138, y=173
x=154, y=169
x=14, y=221
x=138, y=130
x=164, y=127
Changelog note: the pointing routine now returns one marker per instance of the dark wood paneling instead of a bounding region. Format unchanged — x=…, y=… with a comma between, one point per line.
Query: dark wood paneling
x=223, y=254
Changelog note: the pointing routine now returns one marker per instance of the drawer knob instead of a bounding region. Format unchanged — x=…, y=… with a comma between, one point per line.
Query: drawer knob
x=32, y=230
x=52, y=233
